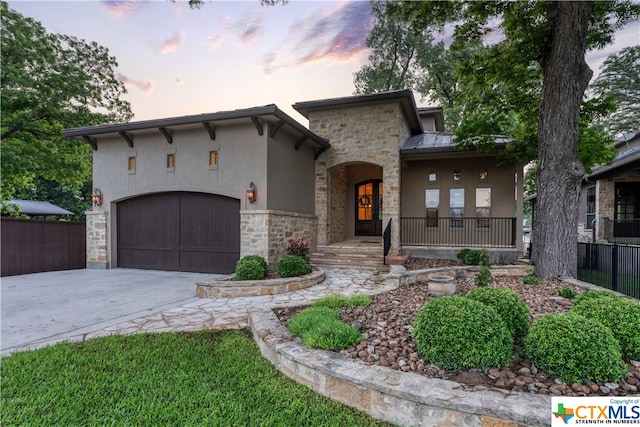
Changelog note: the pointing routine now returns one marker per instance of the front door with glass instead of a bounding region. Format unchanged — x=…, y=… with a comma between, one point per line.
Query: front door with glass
x=369, y=208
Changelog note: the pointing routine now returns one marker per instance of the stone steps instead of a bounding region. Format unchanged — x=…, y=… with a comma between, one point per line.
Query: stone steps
x=348, y=256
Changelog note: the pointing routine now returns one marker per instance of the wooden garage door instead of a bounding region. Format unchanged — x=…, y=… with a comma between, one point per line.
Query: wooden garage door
x=179, y=231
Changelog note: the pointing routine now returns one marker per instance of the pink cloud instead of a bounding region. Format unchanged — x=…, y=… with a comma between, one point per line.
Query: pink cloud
x=339, y=35
x=173, y=43
x=245, y=31
x=118, y=8
x=179, y=81
x=145, y=87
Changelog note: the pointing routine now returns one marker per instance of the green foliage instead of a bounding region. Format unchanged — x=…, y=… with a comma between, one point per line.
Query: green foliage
x=567, y=293
x=531, y=279
x=618, y=314
x=319, y=327
x=292, y=266
x=474, y=256
x=340, y=300
x=619, y=79
x=509, y=305
x=251, y=267
x=457, y=332
x=595, y=294
x=51, y=82
x=483, y=277
x=204, y=378
x=575, y=349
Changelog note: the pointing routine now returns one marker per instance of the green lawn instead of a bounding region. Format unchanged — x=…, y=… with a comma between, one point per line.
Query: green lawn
x=213, y=378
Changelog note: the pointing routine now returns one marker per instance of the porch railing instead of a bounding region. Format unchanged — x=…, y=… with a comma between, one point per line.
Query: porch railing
x=386, y=239
x=622, y=230
x=458, y=232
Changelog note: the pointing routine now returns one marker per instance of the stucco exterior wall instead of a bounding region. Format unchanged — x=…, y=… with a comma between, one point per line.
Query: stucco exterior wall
x=241, y=154
x=368, y=133
x=284, y=179
x=501, y=181
x=290, y=175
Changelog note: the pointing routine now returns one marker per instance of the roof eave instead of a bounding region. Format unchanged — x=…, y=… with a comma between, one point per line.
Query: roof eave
x=405, y=96
x=90, y=132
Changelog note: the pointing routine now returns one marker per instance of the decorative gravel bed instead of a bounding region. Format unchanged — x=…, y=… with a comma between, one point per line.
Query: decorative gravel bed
x=387, y=324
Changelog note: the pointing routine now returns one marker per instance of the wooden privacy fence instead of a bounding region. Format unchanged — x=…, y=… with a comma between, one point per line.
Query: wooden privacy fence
x=33, y=246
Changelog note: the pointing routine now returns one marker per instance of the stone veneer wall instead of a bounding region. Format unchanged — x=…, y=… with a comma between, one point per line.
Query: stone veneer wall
x=369, y=133
x=337, y=228
x=606, y=199
x=266, y=232
x=97, y=240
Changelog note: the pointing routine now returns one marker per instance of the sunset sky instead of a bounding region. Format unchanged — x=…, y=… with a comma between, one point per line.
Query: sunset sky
x=177, y=61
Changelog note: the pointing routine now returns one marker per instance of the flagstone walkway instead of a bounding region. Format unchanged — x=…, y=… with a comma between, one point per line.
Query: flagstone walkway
x=232, y=313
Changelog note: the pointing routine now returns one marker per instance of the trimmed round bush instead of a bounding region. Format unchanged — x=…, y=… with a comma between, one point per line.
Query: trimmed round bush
x=589, y=295
x=574, y=349
x=292, y=266
x=251, y=267
x=457, y=332
x=509, y=305
x=618, y=314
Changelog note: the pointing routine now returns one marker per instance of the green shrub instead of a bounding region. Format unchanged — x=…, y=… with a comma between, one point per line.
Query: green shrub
x=458, y=332
x=292, y=266
x=530, y=278
x=474, y=256
x=319, y=327
x=340, y=300
x=567, y=293
x=618, y=314
x=509, y=305
x=251, y=267
x=483, y=278
x=574, y=349
x=589, y=295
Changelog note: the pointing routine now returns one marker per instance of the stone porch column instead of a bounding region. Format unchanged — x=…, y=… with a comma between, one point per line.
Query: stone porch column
x=97, y=240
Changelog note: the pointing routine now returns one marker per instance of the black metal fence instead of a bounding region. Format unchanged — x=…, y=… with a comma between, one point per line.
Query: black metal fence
x=615, y=267
x=458, y=232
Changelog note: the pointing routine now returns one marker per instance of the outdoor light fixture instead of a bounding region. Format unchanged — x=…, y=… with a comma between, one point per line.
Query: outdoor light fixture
x=96, y=198
x=251, y=193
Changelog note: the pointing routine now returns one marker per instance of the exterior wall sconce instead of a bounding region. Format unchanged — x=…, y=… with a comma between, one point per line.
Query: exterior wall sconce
x=96, y=198
x=251, y=193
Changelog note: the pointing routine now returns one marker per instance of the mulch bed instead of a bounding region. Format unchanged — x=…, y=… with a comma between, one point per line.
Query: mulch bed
x=387, y=324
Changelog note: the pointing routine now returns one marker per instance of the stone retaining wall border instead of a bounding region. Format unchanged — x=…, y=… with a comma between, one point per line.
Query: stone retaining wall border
x=402, y=398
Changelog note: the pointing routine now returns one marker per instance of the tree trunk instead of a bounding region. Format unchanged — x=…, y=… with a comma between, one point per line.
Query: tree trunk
x=565, y=79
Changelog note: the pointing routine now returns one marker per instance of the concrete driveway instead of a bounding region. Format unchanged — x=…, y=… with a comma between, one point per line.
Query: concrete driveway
x=44, y=308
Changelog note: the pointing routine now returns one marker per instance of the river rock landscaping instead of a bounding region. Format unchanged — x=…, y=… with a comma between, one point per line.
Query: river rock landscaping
x=387, y=326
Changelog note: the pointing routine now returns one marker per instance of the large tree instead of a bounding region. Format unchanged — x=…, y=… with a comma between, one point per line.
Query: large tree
x=403, y=58
x=620, y=79
x=51, y=82
x=524, y=38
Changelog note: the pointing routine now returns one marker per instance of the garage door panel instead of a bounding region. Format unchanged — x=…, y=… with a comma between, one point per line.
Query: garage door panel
x=179, y=231
x=152, y=259
x=192, y=261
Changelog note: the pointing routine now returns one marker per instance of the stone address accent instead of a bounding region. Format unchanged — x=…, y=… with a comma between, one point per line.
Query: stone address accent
x=398, y=397
x=229, y=288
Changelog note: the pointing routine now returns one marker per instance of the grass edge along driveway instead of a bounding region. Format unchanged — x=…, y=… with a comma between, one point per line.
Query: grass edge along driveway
x=213, y=378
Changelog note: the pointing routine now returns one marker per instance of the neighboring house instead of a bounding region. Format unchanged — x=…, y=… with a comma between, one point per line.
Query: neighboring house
x=178, y=193
x=36, y=208
x=610, y=197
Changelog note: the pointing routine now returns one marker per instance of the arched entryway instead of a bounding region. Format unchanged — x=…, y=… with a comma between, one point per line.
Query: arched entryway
x=368, y=210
